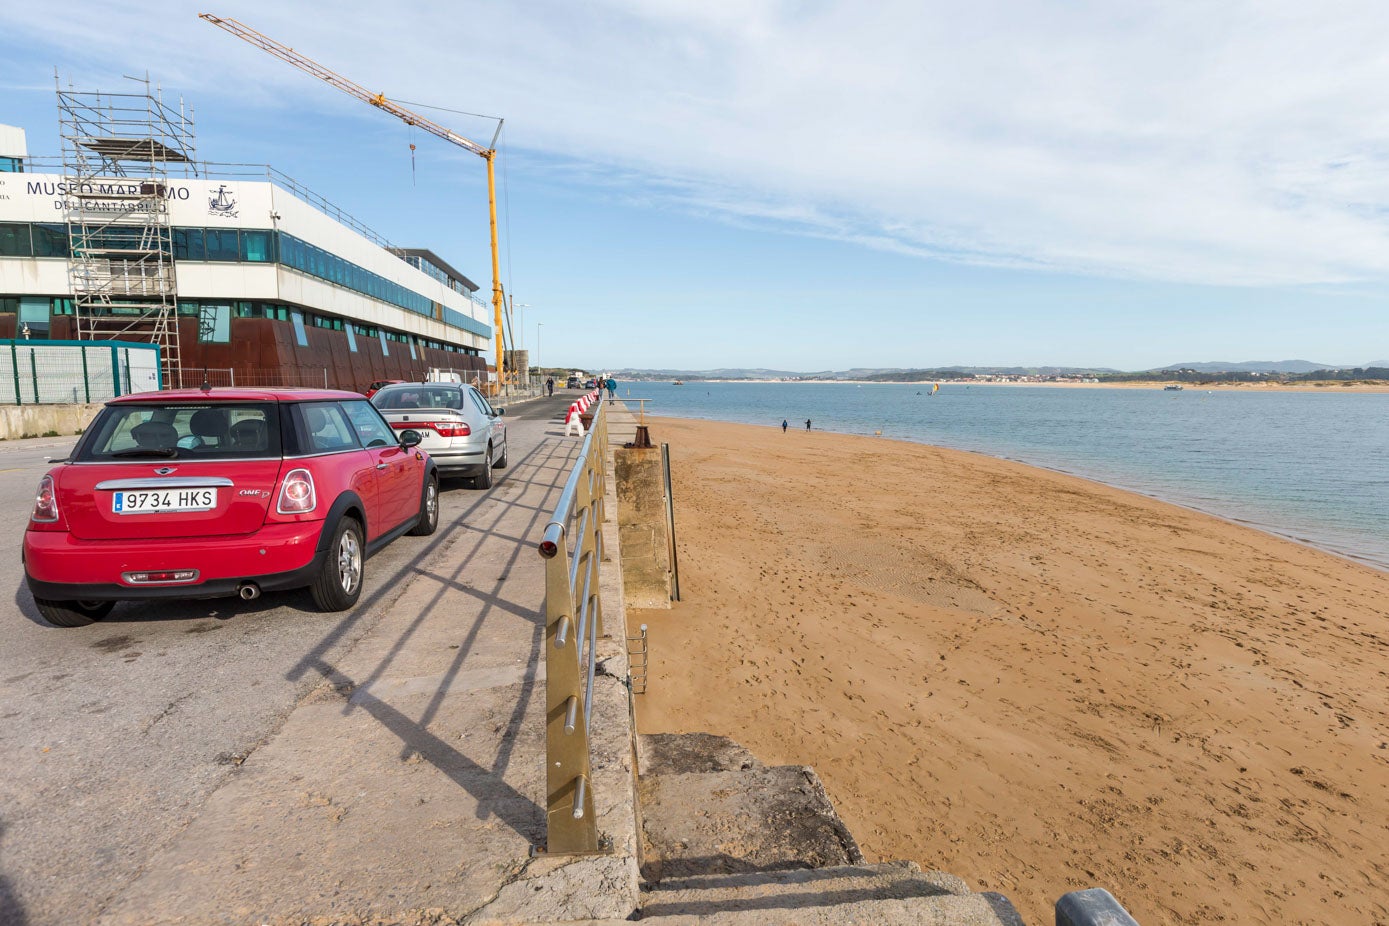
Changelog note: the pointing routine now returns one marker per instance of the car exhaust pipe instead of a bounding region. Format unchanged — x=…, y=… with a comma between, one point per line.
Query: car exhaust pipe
x=249, y=591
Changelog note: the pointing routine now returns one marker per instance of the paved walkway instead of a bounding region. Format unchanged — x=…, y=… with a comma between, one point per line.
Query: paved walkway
x=412, y=778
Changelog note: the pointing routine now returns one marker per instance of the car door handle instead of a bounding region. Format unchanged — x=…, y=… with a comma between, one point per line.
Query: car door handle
x=383, y=466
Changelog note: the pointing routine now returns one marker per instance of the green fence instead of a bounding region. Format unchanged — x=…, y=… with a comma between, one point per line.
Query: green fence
x=67, y=372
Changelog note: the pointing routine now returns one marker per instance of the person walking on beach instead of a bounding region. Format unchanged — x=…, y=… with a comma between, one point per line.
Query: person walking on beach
x=807, y=424
x=784, y=426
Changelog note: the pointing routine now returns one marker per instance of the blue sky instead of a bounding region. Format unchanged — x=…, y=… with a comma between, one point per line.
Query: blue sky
x=810, y=185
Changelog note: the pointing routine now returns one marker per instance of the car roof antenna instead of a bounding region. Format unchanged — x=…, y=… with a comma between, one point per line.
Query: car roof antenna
x=207, y=384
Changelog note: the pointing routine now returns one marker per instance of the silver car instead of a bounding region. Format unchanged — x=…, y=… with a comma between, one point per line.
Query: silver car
x=463, y=433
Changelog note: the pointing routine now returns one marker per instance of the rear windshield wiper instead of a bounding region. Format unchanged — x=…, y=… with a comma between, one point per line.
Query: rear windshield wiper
x=146, y=452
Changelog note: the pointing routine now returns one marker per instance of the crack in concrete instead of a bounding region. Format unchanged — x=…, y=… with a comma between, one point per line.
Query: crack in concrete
x=518, y=875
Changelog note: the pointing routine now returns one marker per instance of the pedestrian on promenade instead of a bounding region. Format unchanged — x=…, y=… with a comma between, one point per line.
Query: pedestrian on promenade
x=612, y=387
x=807, y=424
x=784, y=426
x=550, y=385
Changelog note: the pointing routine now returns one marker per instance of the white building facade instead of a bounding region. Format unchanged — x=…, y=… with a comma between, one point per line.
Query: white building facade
x=269, y=284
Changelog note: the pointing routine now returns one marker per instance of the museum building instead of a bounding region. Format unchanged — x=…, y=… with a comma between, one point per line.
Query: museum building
x=240, y=278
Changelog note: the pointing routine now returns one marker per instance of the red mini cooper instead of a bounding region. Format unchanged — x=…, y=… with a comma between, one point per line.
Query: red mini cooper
x=205, y=493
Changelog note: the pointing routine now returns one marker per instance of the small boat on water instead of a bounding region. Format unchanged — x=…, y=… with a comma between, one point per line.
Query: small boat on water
x=677, y=383
x=1172, y=387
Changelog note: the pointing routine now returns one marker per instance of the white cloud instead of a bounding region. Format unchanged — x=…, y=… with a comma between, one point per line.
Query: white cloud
x=1231, y=143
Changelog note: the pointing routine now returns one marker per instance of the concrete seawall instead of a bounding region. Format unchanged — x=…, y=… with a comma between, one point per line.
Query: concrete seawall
x=17, y=421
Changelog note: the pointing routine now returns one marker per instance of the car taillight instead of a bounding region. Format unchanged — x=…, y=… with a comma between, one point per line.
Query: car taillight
x=442, y=428
x=45, y=502
x=296, y=493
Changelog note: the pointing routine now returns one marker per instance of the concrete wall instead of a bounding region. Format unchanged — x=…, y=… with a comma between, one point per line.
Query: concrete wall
x=641, y=519
x=37, y=420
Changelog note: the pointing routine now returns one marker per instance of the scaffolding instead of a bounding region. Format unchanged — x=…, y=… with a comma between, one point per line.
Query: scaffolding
x=118, y=152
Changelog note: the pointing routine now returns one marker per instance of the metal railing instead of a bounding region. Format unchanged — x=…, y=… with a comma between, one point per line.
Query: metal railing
x=573, y=623
x=74, y=372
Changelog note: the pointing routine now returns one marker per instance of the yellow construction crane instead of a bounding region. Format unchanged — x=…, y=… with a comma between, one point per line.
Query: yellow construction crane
x=285, y=53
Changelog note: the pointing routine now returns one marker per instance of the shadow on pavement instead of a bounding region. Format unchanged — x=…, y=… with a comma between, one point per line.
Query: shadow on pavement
x=516, y=512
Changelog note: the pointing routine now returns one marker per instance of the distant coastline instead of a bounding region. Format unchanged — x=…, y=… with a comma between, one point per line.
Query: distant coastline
x=1368, y=386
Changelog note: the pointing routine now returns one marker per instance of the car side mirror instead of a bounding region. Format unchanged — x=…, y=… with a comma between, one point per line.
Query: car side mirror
x=499, y=411
x=410, y=438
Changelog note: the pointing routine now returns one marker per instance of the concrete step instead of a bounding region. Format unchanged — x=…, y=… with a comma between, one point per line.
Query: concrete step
x=749, y=820
x=728, y=840
x=947, y=910
x=881, y=879
x=684, y=753
x=889, y=893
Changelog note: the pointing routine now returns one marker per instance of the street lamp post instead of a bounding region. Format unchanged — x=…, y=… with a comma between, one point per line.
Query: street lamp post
x=538, y=326
x=522, y=327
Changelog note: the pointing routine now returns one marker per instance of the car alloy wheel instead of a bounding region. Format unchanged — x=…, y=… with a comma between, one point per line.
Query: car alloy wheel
x=349, y=563
x=339, y=581
x=483, y=480
x=429, y=509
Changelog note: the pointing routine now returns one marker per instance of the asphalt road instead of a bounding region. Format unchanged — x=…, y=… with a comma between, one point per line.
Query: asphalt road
x=113, y=735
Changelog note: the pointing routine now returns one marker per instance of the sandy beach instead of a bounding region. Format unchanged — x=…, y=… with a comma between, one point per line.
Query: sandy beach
x=1032, y=681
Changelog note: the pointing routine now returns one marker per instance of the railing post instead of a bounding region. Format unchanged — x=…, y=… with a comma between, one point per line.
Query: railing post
x=571, y=589
x=570, y=824
x=14, y=366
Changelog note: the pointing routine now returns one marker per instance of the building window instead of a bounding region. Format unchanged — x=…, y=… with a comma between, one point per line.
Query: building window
x=222, y=244
x=50, y=240
x=385, y=348
x=188, y=244
x=14, y=240
x=351, y=339
x=301, y=337
x=214, y=323
x=9, y=165
x=34, y=313
x=256, y=246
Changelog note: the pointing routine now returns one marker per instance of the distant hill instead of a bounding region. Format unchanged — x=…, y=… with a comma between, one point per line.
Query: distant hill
x=921, y=374
x=855, y=373
x=1249, y=366
x=721, y=373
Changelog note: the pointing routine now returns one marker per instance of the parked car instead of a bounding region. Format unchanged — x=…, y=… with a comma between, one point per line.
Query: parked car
x=203, y=493
x=462, y=432
x=380, y=384
x=573, y=383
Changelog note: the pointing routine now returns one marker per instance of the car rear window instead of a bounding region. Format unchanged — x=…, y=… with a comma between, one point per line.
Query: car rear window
x=413, y=395
x=179, y=431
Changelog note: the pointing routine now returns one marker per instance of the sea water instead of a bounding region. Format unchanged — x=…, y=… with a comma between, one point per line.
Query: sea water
x=1310, y=466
